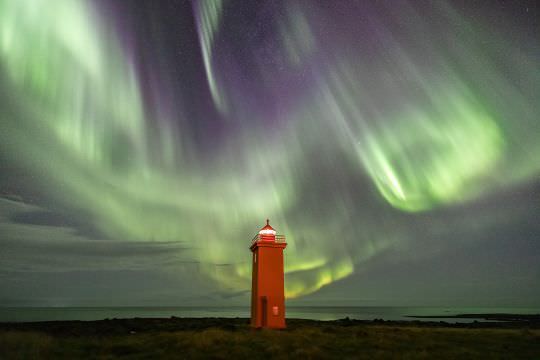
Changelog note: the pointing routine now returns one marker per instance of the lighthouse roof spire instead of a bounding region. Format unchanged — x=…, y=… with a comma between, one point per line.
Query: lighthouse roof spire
x=267, y=229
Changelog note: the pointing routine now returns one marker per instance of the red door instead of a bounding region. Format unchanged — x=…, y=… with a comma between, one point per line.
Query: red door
x=264, y=309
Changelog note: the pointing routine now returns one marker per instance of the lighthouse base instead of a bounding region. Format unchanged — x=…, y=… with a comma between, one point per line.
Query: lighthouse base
x=268, y=312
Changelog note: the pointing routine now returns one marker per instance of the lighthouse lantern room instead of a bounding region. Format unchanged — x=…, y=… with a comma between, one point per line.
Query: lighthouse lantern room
x=267, y=287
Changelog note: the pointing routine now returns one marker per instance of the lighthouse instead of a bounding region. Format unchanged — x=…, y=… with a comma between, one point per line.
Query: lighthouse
x=267, y=283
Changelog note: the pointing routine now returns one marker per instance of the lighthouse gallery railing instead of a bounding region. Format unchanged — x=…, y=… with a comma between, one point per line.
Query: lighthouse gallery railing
x=279, y=238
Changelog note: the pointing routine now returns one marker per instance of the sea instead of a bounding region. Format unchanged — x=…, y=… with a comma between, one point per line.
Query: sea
x=29, y=314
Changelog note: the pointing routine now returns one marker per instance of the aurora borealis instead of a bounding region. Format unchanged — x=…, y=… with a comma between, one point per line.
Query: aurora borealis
x=144, y=143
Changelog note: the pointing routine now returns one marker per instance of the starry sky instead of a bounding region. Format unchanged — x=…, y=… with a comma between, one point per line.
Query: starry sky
x=396, y=144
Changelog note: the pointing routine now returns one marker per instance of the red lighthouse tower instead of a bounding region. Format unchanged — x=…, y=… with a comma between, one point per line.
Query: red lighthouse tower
x=267, y=287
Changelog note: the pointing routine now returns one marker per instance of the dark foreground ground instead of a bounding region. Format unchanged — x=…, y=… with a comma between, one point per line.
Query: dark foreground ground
x=303, y=339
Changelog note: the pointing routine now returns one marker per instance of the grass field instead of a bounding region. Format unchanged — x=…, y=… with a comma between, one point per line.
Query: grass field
x=233, y=339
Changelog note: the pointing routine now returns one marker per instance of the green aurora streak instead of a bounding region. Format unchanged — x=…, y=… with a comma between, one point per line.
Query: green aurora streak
x=76, y=119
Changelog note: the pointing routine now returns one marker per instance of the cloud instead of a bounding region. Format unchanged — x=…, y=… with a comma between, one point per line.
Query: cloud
x=36, y=240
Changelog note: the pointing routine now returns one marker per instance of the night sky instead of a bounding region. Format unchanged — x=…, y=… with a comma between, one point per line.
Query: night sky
x=396, y=144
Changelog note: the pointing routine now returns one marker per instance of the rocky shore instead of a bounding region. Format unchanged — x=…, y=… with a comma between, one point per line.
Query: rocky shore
x=516, y=337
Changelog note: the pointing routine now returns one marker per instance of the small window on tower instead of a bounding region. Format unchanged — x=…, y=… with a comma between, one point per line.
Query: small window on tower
x=254, y=257
x=275, y=310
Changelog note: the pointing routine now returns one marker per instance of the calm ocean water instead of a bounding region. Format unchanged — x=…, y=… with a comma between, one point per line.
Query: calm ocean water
x=23, y=314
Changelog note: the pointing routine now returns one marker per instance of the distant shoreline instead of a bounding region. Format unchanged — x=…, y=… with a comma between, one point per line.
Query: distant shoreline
x=323, y=313
x=488, y=317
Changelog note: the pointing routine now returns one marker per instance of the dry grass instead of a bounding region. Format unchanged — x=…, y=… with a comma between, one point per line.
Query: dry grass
x=24, y=345
x=305, y=342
